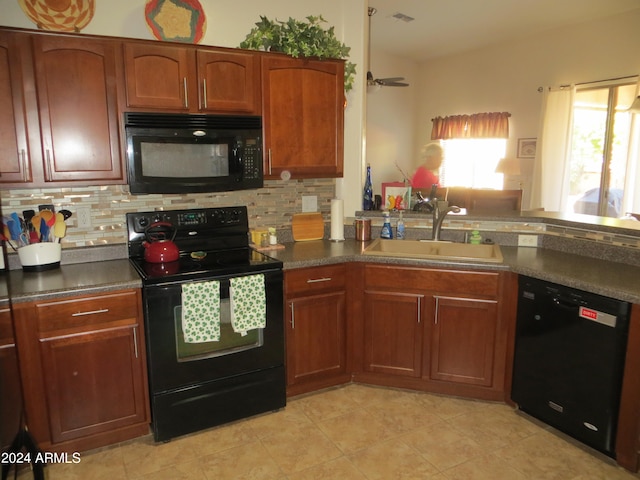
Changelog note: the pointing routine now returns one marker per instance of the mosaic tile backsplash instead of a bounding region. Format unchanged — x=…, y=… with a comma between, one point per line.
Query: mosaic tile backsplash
x=271, y=206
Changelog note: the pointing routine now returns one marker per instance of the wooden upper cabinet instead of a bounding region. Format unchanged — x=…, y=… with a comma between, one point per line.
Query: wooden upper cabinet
x=185, y=79
x=230, y=81
x=76, y=82
x=15, y=155
x=303, y=116
x=158, y=76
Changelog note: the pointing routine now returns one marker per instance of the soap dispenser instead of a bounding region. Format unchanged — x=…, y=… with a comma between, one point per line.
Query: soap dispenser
x=386, y=232
x=400, y=228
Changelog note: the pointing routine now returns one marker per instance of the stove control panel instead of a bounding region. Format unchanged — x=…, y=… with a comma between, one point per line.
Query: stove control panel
x=191, y=220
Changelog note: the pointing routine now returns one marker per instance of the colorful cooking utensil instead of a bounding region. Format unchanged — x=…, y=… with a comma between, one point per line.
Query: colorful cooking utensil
x=48, y=216
x=44, y=230
x=59, y=228
x=35, y=222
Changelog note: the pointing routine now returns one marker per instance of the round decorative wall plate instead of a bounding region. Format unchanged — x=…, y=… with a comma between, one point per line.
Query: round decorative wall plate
x=59, y=15
x=176, y=20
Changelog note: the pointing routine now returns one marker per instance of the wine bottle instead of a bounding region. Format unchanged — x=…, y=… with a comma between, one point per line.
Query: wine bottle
x=367, y=197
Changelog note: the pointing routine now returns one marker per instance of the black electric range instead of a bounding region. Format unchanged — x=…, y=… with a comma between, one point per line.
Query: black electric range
x=212, y=242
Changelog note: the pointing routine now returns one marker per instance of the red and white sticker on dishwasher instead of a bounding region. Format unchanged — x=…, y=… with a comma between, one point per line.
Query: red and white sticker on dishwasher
x=597, y=316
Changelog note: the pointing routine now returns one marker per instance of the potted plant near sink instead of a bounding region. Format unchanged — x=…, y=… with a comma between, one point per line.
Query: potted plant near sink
x=300, y=39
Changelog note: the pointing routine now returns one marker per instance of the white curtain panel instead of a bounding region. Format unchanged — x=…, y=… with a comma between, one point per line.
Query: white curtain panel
x=551, y=169
x=631, y=202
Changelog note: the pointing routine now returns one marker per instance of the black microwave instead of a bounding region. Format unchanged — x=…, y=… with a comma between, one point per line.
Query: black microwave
x=185, y=153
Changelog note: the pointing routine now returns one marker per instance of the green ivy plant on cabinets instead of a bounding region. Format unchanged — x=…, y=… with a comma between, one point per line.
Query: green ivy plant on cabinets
x=300, y=39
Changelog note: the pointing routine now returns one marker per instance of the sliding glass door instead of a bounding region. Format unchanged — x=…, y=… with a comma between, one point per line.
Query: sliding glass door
x=604, y=152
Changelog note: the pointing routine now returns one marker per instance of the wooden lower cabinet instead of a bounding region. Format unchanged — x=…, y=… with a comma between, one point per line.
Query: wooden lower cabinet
x=10, y=391
x=315, y=328
x=393, y=333
x=84, y=369
x=434, y=329
x=462, y=341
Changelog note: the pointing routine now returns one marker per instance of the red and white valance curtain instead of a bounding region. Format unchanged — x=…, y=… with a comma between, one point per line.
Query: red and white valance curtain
x=476, y=125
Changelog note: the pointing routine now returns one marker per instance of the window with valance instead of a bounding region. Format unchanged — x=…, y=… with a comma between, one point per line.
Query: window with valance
x=476, y=125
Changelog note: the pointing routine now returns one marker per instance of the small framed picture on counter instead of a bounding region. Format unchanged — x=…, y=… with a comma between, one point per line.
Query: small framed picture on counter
x=396, y=196
x=527, y=147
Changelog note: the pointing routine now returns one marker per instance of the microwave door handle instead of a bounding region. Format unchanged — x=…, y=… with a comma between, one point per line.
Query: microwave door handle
x=238, y=154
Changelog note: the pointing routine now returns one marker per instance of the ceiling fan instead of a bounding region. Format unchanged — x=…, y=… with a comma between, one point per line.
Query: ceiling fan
x=382, y=82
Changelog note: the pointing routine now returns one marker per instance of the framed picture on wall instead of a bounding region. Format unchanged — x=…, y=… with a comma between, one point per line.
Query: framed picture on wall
x=527, y=147
x=396, y=196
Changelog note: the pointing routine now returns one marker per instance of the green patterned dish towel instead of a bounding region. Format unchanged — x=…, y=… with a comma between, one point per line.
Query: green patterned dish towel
x=248, y=303
x=201, y=311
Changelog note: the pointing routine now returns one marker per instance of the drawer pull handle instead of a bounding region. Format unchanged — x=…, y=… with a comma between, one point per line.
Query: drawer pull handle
x=318, y=280
x=91, y=312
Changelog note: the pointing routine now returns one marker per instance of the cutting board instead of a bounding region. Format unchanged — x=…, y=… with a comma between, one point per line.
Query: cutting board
x=307, y=226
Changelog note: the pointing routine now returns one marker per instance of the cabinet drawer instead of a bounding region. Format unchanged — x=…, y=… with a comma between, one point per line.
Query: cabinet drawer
x=86, y=311
x=432, y=280
x=316, y=279
x=6, y=329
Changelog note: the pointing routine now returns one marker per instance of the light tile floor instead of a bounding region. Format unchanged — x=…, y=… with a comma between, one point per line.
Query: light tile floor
x=357, y=432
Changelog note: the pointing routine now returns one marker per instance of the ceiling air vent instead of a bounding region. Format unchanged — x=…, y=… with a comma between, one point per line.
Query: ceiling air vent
x=403, y=17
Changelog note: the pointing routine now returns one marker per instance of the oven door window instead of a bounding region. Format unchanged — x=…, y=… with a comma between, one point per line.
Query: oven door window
x=230, y=342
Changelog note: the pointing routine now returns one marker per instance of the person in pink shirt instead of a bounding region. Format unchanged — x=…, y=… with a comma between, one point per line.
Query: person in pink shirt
x=426, y=174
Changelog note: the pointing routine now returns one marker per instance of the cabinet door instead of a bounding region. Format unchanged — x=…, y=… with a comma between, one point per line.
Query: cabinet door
x=160, y=77
x=393, y=333
x=11, y=401
x=462, y=340
x=229, y=81
x=77, y=97
x=303, y=109
x=94, y=382
x=316, y=337
x=15, y=156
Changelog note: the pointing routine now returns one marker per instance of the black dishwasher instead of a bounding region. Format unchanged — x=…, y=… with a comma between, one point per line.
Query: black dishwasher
x=569, y=360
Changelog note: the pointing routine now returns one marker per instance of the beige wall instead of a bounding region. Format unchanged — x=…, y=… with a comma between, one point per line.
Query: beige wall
x=227, y=25
x=391, y=117
x=506, y=77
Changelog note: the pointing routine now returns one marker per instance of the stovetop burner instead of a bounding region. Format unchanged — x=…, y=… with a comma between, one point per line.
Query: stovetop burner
x=212, y=242
x=205, y=264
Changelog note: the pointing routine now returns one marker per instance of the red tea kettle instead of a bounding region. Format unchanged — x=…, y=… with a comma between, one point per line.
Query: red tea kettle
x=159, y=249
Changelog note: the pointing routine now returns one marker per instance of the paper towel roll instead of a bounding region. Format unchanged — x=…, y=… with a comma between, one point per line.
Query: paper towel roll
x=337, y=220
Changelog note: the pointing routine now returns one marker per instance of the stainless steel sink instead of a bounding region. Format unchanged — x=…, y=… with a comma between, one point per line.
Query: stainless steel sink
x=434, y=250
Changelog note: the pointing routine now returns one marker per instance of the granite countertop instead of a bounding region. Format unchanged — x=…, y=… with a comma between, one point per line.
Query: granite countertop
x=612, y=279
x=74, y=279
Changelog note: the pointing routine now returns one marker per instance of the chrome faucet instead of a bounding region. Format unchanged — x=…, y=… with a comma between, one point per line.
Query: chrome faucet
x=438, y=217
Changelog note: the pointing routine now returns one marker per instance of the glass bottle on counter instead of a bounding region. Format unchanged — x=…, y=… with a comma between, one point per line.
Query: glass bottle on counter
x=367, y=195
